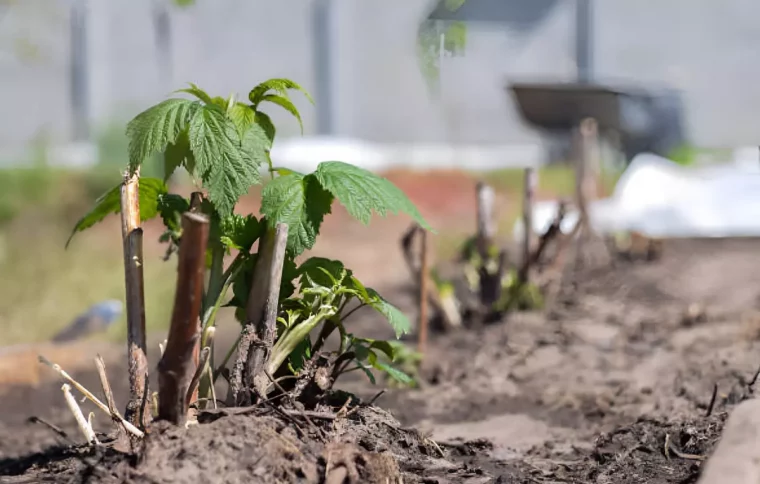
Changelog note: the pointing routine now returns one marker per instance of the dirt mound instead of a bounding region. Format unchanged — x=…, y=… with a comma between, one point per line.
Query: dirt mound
x=252, y=445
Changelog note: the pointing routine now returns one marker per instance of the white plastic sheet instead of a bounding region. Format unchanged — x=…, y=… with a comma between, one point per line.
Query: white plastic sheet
x=660, y=198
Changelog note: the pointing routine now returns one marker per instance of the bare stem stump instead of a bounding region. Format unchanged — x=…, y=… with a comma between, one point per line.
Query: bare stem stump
x=177, y=365
x=424, y=278
x=485, y=217
x=529, y=190
x=443, y=305
x=261, y=318
x=492, y=267
x=132, y=233
x=587, y=168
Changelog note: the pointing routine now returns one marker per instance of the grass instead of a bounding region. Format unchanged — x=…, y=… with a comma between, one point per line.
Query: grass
x=45, y=286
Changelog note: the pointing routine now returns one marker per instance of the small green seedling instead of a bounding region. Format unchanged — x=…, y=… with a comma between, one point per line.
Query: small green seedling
x=225, y=144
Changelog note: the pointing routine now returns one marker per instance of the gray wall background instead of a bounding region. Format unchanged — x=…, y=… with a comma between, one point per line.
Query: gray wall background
x=707, y=49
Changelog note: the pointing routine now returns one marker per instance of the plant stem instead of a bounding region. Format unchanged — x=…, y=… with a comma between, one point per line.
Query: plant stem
x=180, y=359
x=135, y=298
x=288, y=342
x=216, y=282
x=209, y=317
x=271, y=167
x=343, y=318
x=261, y=317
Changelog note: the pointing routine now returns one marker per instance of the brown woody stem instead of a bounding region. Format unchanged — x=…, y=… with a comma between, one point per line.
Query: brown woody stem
x=261, y=317
x=135, y=301
x=179, y=362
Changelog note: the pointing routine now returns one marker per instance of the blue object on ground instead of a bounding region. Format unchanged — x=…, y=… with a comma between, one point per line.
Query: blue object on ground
x=98, y=318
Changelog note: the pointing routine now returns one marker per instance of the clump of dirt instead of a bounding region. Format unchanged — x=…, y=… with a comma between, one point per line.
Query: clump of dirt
x=366, y=445
x=648, y=451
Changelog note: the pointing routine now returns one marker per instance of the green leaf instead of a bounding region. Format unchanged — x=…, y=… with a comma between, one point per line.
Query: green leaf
x=385, y=347
x=178, y=154
x=255, y=143
x=289, y=275
x=241, y=285
x=263, y=120
x=150, y=131
x=218, y=102
x=394, y=373
x=197, y=92
x=356, y=284
x=242, y=116
x=240, y=231
x=317, y=269
x=286, y=104
x=149, y=191
x=300, y=202
x=278, y=85
x=376, y=344
x=395, y=317
x=300, y=355
x=361, y=350
x=226, y=168
x=366, y=372
x=171, y=207
x=363, y=192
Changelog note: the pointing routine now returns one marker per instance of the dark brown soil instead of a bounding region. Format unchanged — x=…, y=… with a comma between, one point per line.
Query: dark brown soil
x=245, y=445
x=611, y=384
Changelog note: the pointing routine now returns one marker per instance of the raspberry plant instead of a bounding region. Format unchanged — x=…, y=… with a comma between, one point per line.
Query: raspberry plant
x=225, y=144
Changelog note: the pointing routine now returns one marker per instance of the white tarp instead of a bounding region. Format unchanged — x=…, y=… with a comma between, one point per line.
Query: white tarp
x=660, y=198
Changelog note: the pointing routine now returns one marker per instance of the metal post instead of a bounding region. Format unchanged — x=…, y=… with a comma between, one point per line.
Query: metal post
x=80, y=108
x=584, y=40
x=323, y=65
x=163, y=40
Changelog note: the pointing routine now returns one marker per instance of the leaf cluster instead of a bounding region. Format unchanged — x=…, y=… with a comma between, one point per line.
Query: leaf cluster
x=225, y=145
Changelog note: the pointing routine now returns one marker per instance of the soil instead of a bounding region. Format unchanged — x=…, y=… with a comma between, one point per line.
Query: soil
x=612, y=383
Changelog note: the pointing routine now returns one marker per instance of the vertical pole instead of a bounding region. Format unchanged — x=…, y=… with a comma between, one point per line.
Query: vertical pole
x=323, y=65
x=163, y=40
x=585, y=181
x=586, y=166
x=80, y=109
x=584, y=40
x=424, y=278
x=528, y=196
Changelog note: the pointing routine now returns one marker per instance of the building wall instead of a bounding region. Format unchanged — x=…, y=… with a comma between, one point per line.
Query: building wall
x=703, y=47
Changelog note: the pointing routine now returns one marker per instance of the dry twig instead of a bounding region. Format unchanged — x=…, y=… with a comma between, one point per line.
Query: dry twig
x=58, y=431
x=424, y=279
x=712, y=400
x=89, y=395
x=669, y=447
x=83, y=424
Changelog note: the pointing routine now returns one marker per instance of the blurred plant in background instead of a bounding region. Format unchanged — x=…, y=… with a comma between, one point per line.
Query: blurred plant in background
x=433, y=35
